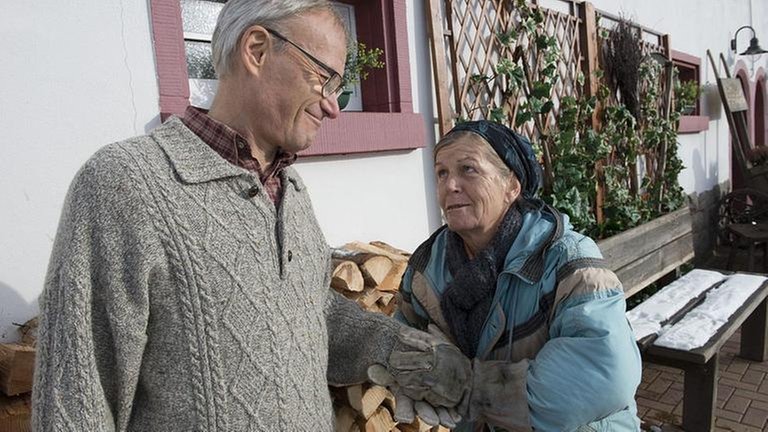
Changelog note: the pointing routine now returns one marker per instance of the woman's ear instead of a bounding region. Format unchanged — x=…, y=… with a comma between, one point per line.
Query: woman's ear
x=254, y=46
x=513, y=189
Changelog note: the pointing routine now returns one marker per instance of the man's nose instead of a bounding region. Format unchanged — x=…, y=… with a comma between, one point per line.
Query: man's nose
x=330, y=106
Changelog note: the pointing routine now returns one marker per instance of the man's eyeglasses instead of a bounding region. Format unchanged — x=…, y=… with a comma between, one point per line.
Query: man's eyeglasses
x=333, y=82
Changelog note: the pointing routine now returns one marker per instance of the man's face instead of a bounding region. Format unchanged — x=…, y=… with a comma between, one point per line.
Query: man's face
x=293, y=82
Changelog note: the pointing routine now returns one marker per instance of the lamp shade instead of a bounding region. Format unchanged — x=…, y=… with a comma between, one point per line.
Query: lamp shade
x=754, y=48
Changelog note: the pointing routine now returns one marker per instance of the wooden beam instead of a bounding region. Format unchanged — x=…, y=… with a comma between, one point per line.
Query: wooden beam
x=440, y=73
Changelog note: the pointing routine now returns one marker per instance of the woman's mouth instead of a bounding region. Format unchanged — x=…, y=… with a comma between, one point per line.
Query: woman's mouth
x=455, y=206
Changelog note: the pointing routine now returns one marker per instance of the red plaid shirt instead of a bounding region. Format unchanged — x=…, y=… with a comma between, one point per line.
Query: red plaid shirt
x=235, y=149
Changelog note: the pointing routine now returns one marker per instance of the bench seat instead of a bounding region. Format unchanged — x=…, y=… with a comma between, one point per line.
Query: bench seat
x=666, y=324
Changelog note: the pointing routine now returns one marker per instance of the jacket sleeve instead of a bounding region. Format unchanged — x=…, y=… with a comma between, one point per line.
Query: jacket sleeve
x=357, y=339
x=94, y=306
x=588, y=369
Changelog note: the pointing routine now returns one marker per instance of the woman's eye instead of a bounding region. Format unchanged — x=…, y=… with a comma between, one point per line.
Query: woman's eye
x=442, y=173
x=469, y=169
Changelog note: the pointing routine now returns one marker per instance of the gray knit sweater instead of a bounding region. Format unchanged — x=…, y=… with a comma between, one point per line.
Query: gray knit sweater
x=178, y=299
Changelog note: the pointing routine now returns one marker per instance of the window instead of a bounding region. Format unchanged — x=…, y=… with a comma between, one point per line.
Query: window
x=198, y=19
x=688, y=70
x=386, y=120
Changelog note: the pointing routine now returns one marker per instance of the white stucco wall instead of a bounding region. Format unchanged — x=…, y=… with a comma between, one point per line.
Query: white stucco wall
x=78, y=75
x=694, y=27
x=75, y=75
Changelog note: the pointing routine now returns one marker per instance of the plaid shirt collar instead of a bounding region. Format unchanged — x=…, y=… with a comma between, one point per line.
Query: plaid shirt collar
x=234, y=148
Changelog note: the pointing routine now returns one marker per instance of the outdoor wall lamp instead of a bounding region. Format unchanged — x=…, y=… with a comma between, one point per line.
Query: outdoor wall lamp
x=754, y=45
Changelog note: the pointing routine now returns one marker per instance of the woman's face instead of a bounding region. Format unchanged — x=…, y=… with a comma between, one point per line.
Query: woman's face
x=473, y=194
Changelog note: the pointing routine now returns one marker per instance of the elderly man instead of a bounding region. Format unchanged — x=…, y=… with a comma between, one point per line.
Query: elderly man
x=188, y=284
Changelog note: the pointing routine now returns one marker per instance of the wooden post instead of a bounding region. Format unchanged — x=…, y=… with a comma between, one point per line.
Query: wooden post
x=589, y=52
x=754, y=332
x=589, y=65
x=668, y=96
x=700, y=396
x=440, y=73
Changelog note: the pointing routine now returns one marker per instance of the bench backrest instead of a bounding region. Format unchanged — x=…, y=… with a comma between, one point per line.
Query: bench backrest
x=644, y=254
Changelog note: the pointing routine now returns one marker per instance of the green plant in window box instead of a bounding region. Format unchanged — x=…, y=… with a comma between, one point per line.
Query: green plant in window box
x=360, y=61
x=686, y=94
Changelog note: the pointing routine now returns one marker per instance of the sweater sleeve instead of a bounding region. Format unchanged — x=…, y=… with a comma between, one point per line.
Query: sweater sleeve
x=94, y=306
x=357, y=339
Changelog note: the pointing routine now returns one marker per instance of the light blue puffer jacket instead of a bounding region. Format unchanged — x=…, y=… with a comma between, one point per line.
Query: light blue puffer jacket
x=557, y=315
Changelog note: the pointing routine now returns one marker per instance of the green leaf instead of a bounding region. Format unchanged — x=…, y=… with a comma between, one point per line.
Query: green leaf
x=497, y=115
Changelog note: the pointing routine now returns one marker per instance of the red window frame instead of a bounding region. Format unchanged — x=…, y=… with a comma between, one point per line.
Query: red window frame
x=688, y=69
x=387, y=121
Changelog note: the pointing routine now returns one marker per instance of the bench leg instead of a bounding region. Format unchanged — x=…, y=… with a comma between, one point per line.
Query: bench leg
x=700, y=396
x=754, y=332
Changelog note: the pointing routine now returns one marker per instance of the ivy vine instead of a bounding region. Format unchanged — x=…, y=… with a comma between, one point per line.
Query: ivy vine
x=579, y=159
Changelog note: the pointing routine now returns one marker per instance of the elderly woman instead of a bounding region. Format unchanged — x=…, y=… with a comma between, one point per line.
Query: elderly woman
x=527, y=299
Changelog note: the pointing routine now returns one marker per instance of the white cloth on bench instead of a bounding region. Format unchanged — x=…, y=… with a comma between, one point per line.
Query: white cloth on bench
x=646, y=318
x=699, y=325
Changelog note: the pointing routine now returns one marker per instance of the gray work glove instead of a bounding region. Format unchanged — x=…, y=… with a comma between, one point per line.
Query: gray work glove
x=406, y=409
x=498, y=394
x=428, y=367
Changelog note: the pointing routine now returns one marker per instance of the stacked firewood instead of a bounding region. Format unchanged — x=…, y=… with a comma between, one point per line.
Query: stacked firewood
x=17, y=363
x=370, y=274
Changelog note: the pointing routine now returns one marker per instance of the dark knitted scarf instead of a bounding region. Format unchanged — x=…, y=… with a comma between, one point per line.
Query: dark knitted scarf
x=467, y=299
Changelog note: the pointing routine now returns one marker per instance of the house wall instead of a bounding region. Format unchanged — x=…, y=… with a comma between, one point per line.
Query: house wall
x=75, y=75
x=79, y=75
x=694, y=27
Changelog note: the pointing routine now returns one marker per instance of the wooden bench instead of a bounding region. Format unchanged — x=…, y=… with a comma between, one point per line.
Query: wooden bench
x=654, y=252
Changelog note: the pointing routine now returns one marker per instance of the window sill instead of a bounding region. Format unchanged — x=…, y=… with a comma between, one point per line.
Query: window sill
x=693, y=124
x=368, y=132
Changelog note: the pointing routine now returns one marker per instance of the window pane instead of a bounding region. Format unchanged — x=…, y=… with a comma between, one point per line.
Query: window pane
x=199, y=60
x=199, y=16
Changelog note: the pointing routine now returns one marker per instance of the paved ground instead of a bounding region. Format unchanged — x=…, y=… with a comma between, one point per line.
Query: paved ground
x=742, y=392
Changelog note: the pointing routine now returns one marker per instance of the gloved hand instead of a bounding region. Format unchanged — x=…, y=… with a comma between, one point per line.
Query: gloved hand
x=406, y=409
x=498, y=394
x=427, y=367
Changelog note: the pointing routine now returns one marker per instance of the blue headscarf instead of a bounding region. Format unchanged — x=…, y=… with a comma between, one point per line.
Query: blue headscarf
x=514, y=149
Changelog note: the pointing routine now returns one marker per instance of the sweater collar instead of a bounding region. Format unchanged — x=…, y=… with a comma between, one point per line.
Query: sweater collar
x=195, y=161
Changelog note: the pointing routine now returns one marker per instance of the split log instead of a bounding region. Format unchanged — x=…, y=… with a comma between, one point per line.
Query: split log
x=15, y=413
x=391, y=249
x=368, y=300
x=376, y=250
x=416, y=426
x=392, y=281
x=17, y=364
x=28, y=332
x=355, y=397
x=372, y=399
x=380, y=421
x=375, y=269
x=345, y=419
x=346, y=277
x=385, y=298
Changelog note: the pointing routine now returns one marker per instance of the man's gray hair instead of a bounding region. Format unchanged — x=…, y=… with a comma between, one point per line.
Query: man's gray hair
x=238, y=15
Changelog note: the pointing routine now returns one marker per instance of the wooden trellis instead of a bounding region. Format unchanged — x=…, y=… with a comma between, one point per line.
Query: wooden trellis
x=465, y=43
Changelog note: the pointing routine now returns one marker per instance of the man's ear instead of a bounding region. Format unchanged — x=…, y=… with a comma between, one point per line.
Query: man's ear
x=255, y=45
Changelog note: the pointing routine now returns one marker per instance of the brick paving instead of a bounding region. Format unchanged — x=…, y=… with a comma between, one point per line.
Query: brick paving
x=742, y=394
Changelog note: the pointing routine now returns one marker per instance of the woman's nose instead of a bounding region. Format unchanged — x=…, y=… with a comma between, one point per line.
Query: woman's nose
x=452, y=184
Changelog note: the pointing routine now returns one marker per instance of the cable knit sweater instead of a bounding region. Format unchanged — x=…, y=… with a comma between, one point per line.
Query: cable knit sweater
x=178, y=299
